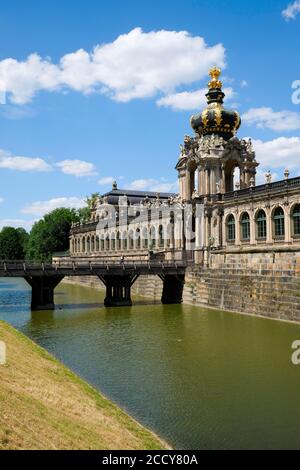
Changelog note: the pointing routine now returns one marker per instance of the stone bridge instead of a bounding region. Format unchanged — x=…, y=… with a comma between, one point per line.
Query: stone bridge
x=118, y=277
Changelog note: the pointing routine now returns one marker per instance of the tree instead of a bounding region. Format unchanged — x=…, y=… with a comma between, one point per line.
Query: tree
x=85, y=213
x=51, y=234
x=13, y=243
x=24, y=237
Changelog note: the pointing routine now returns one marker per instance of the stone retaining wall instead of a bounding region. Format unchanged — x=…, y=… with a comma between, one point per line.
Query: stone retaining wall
x=265, y=284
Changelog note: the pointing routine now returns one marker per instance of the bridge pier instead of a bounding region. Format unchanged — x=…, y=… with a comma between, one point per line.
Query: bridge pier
x=42, y=291
x=172, y=288
x=118, y=290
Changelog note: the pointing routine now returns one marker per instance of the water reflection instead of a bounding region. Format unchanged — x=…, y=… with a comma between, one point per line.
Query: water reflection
x=200, y=378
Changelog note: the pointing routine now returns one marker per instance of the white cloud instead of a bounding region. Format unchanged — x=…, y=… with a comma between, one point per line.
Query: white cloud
x=40, y=208
x=291, y=11
x=189, y=100
x=244, y=84
x=77, y=168
x=283, y=152
x=106, y=180
x=27, y=224
x=135, y=65
x=13, y=162
x=150, y=184
x=1, y=200
x=275, y=120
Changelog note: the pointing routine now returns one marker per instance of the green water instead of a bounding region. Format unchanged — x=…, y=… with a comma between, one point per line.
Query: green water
x=202, y=379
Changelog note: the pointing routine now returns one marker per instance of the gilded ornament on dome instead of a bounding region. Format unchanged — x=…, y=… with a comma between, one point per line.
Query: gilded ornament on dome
x=215, y=72
x=205, y=117
x=218, y=116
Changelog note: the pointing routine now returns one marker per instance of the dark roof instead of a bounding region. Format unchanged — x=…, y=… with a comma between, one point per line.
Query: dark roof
x=134, y=197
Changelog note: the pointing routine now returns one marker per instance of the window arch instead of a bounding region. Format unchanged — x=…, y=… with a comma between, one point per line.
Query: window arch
x=278, y=222
x=296, y=220
x=113, y=242
x=145, y=237
x=161, y=236
x=107, y=243
x=131, y=240
x=125, y=244
x=83, y=244
x=93, y=244
x=170, y=234
x=232, y=174
x=118, y=241
x=245, y=226
x=153, y=237
x=261, y=224
x=138, y=238
x=230, y=226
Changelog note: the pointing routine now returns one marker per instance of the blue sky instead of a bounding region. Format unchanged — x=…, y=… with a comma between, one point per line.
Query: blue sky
x=96, y=91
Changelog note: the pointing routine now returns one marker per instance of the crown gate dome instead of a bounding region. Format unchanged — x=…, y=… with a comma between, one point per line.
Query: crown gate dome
x=215, y=119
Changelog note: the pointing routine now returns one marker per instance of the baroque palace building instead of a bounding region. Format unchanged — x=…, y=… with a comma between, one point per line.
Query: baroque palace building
x=218, y=201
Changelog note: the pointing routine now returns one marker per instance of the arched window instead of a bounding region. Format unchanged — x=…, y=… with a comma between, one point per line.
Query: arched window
x=161, y=236
x=125, y=244
x=138, y=238
x=113, y=242
x=131, y=240
x=93, y=244
x=118, y=241
x=83, y=245
x=230, y=228
x=88, y=245
x=153, y=237
x=102, y=244
x=296, y=220
x=278, y=221
x=261, y=224
x=107, y=243
x=170, y=234
x=97, y=243
x=245, y=225
x=145, y=237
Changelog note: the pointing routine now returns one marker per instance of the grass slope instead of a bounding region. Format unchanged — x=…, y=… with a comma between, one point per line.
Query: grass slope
x=43, y=405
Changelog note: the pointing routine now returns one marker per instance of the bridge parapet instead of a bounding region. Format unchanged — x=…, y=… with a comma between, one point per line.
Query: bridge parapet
x=118, y=277
x=83, y=268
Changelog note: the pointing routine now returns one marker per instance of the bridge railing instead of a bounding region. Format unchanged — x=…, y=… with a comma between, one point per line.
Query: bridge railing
x=15, y=265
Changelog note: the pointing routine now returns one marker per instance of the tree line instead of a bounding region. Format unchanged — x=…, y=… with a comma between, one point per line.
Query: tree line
x=47, y=236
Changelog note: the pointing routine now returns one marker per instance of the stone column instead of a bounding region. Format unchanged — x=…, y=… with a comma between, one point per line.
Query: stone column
x=207, y=179
x=223, y=182
x=200, y=181
x=237, y=229
x=42, y=291
x=188, y=186
x=173, y=289
x=213, y=180
x=252, y=228
x=182, y=183
x=269, y=226
x=287, y=224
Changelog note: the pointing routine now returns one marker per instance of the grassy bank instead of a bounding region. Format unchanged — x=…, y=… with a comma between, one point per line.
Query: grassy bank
x=43, y=405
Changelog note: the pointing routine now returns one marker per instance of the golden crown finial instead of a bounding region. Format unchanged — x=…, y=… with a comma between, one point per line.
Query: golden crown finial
x=215, y=72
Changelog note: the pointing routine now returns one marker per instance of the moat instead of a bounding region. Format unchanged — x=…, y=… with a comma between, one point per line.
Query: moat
x=201, y=379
